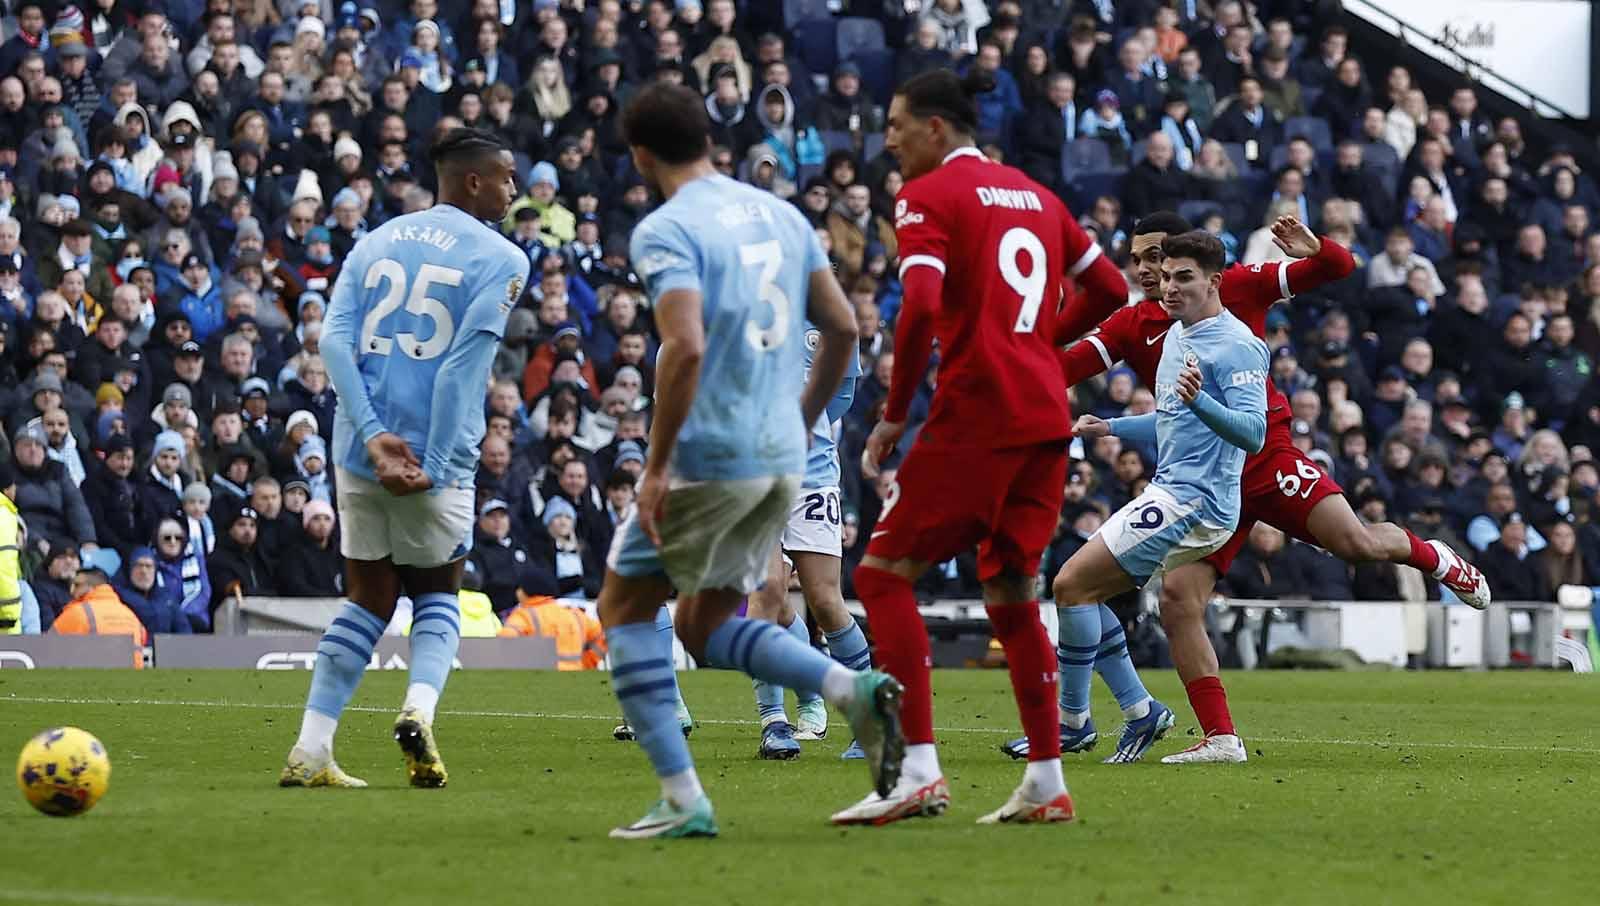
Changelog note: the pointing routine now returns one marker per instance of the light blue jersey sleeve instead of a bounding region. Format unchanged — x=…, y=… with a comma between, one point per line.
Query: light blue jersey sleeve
x=338, y=348
x=665, y=258
x=1138, y=429
x=1239, y=373
x=456, y=425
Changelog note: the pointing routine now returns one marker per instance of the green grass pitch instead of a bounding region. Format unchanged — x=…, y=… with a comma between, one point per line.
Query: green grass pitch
x=1362, y=788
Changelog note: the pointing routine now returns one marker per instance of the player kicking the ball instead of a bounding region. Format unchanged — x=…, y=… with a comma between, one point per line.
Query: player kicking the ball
x=984, y=252
x=1281, y=486
x=409, y=339
x=1211, y=411
x=733, y=273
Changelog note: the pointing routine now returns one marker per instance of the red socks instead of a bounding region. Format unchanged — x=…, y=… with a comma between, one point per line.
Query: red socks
x=901, y=640
x=1210, y=703
x=1423, y=557
x=1032, y=662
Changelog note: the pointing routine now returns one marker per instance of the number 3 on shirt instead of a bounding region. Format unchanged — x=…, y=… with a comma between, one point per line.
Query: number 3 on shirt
x=418, y=303
x=769, y=256
x=1029, y=286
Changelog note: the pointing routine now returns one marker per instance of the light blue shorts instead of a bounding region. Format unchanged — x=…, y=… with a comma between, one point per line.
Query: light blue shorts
x=1155, y=532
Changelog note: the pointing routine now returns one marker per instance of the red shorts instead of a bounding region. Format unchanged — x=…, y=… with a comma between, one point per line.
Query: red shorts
x=1280, y=487
x=944, y=501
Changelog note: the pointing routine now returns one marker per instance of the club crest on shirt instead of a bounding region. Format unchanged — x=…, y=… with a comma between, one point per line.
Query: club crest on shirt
x=813, y=338
x=513, y=292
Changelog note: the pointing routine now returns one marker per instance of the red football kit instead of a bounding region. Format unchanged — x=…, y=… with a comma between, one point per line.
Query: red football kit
x=985, y=253
x=1280, y=485
x=989, y=465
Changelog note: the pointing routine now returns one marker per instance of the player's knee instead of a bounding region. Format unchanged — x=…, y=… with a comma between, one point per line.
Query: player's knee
x=1355, y=543
x=1179, y=609
x=1069, y=591
x=693, y=636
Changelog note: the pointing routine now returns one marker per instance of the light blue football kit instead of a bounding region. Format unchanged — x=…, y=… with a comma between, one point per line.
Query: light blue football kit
x=412, y=327
x=1192, y=505
x=739, y=459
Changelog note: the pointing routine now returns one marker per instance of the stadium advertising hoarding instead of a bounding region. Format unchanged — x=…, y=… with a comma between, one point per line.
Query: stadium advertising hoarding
x=1542, y=45
x=30, y=652
x=298, y=651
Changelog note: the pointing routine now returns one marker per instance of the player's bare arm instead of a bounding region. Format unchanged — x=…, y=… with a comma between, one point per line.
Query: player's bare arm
x=683, y=346
x=829, y=311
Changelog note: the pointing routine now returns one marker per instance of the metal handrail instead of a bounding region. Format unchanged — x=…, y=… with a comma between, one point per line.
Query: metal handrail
x=1475, y=69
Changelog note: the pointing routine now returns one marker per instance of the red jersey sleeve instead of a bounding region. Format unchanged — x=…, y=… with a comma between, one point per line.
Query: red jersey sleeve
x=1332, y=263
x=1103, y=289
x=1101, y=349
x=1248, y=290
x=923, y=239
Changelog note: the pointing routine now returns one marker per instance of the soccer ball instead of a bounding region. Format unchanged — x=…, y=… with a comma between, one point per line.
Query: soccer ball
x=64, y=771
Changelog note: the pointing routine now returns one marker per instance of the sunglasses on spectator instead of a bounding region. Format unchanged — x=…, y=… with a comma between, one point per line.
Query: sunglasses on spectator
x=171, y=537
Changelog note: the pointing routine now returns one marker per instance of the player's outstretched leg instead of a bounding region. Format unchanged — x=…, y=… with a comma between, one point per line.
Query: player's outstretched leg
x=435, y=638
x=1184, y=594
x=1145, y=720
x=870, y=700
x=904, y=653
x=342, y=657
x=645, y=682
x=1336, y=527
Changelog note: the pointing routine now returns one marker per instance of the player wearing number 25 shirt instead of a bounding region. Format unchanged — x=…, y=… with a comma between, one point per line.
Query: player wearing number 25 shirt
x=422, y=303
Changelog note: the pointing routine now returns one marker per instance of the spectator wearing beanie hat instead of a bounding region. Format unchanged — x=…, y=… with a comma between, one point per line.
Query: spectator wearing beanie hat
x=112, y=499
x=318, y=570
x=160, y=486
x=237, y=567
x=320, y=268
x=46, y=497
x=573, y=562
x=557, y=225
x=311, y=466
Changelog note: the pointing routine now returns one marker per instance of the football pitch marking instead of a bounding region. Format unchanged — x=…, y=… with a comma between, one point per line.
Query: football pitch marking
x=1390, y=743
x=89, y=898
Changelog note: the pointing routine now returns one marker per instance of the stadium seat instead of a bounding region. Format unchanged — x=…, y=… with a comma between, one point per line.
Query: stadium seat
x=798, y=11
x=877, y=74
x=1236, y=154
x=523, y=163
x=805, y=172
x=1136, y=153
x=872, y=146
x=816, y=42
x=837, y=140
x=1091, y=184
x=1278, y=158
x=1313, y=128
x=1196, y=212
x=856, y=34
x=1084, y=154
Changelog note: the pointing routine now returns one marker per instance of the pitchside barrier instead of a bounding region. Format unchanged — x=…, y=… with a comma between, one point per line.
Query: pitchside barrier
x=282, y=634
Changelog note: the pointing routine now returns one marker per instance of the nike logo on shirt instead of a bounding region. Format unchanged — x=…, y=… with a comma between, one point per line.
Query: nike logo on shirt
x=1151, y=341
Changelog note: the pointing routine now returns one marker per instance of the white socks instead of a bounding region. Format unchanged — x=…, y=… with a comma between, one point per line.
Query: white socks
x=316, y=733
x=422, y=697
x=1042, y=781
x=1074, y=720
x=839, y=686
x=682, y=789
x=1137, y=712
x=921, y=763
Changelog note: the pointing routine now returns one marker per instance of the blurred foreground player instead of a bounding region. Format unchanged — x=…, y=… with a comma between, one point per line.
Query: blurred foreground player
x=984, y=253
x=733, y=274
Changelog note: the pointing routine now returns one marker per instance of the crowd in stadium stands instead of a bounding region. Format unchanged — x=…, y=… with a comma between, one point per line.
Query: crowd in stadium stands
x=180, y=180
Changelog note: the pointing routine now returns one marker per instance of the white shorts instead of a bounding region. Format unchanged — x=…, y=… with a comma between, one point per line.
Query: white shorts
x=816, y=523
x=1155, y=532
x=423, y=530
x=716, y=534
